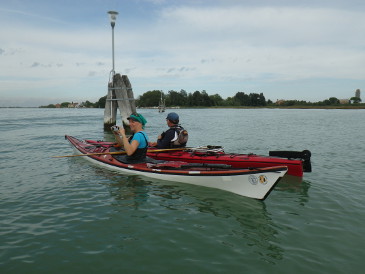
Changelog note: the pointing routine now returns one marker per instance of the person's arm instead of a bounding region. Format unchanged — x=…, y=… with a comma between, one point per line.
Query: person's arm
x=129, y=148
x=164, y=142
x=152, y=144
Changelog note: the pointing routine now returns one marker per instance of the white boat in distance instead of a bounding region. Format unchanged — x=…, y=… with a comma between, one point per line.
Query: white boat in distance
x=161, y=106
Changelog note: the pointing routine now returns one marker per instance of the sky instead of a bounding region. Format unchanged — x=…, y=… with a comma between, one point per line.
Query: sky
x=61, y=51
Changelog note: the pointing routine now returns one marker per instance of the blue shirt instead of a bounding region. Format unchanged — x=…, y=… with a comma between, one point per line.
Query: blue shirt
x=141, y=138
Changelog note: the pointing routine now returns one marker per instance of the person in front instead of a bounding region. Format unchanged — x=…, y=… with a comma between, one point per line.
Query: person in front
x=136, y=146
x=176, y=136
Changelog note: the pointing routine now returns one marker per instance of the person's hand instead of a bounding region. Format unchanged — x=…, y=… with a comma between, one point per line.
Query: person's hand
x=152, y=144
x=122, y=132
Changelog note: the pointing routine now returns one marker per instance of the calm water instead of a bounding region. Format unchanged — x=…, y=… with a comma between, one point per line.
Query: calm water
x=65, y=215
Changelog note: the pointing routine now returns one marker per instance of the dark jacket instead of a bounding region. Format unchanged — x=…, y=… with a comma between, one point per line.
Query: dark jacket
x=168, y=138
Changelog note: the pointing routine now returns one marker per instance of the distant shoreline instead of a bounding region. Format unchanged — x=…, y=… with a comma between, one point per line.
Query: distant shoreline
x=269, y=107
x=239, y=107
x=300, y=107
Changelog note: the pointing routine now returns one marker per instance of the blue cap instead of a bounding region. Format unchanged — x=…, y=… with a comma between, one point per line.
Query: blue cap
x=173, y=117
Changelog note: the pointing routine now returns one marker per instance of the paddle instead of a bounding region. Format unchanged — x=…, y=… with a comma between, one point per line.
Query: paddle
x=169, y=149
x=91, y=154
x=120, y=152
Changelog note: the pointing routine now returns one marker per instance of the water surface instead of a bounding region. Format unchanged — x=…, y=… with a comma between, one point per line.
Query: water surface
x=66, y=215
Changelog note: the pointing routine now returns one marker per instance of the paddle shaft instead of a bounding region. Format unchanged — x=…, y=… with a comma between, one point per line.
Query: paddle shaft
x=119, y=152
x=91, y=154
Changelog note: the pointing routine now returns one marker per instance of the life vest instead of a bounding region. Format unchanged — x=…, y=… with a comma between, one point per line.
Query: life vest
x=139, y=155
x=181, y=137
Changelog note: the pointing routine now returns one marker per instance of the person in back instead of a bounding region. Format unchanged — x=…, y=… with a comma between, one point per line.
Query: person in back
x=176, y=136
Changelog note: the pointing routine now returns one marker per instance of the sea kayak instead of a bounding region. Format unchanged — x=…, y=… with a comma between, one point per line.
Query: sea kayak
x=296, y=161
x=249, y=182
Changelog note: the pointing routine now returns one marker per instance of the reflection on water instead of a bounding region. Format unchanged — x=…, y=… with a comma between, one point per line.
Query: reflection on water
x=294, y=185
x=129, y=191
x=242, y=224
x=252, y=227
x=294, y=180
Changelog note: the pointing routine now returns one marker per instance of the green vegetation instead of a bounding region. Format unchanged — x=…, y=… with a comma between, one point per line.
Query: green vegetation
x=202, y=99
x=240, y=99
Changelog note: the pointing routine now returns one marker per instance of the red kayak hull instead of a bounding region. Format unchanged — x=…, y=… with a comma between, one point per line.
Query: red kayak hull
x=296, y=166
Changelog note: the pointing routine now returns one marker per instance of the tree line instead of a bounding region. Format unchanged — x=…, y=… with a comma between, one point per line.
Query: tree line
x=203, y=99
x=199, y=99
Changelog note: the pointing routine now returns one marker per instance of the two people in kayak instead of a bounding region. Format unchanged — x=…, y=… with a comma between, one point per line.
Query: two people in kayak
x=136, y=146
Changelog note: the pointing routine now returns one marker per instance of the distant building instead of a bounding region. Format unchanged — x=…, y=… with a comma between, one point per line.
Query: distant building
x=280, y=102
x=73, y=105
x=344, y=101
x=357, y=93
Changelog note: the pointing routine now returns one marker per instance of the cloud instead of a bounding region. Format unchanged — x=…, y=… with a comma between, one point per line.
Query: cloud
x=35, y=64
x=270, y=38
x=226, y=46
x=296, y=42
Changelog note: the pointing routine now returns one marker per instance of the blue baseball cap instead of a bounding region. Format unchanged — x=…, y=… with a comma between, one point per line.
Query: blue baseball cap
x=173, y=117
